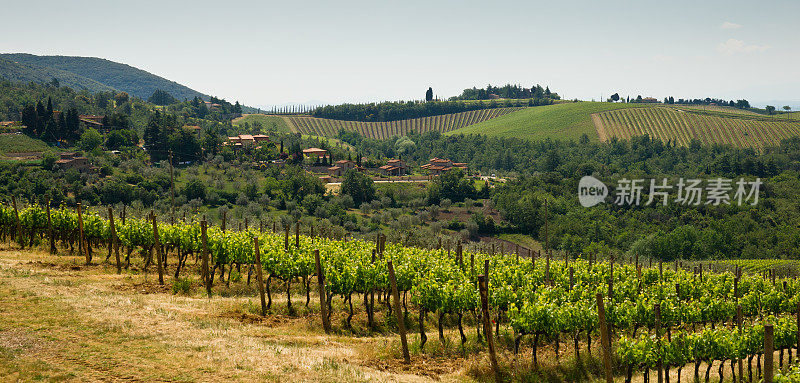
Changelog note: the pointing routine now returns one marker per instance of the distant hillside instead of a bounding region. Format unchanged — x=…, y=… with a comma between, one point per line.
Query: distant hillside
x=90, y=73
x=565, y=121
x=679, y=124
x=682, y=125
x=20, y=72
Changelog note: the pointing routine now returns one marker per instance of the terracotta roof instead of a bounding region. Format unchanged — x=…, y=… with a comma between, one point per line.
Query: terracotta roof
x=344, y=161
x=90, y=121
x=192, y=127
x=334, y=168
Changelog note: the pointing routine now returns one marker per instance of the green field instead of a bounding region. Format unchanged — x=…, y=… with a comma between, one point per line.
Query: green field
x=266, y=121
x=20, y=143
x=566, y=121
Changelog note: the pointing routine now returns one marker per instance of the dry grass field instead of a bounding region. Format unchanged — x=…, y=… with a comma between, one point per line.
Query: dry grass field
x=62, y=321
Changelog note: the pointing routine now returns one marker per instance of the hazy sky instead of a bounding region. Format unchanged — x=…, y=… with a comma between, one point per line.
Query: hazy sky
x=264, y=53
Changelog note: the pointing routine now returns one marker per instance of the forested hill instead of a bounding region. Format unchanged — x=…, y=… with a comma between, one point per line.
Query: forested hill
x=25, y=73
x=94, y=74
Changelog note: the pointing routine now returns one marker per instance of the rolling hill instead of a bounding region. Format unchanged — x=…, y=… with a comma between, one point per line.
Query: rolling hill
x=565, y=121
x=266, y=121
x=675, y=123
x=94, y=74
x=681, y=125
x=25, y=73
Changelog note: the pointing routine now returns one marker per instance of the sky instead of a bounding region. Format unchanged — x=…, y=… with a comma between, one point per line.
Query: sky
x=266, y=53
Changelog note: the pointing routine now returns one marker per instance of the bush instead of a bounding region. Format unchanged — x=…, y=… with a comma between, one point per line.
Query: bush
x=90, y=140
x=181, y=286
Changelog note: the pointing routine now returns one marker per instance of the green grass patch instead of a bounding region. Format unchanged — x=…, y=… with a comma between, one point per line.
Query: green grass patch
x=266, y=121
x=20, y=143
x=522, y=240
x=331, y=141
x=565, y=121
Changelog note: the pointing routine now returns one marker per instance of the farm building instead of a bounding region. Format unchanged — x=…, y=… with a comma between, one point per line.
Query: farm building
x=393, y=167
x=71, y=161
x=193, y=128
x=437, y=166
x=341, y=167
x=315, y=152
x=92, y=121
x=245, y=140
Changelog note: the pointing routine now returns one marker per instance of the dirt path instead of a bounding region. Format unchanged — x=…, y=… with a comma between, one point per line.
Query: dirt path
x=601, y=129
x=60, y=320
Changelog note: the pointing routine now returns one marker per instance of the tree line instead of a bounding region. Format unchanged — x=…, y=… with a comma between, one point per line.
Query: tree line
x=507, y=91
x=402, y=110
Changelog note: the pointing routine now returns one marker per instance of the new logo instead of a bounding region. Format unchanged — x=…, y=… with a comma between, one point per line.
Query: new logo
x=591, y=191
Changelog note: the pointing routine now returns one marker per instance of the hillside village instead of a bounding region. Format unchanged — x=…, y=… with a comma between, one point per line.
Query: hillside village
x=320, y=162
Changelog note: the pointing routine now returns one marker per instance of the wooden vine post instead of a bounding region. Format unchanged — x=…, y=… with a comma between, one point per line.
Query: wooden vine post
x=659, y=363
x=604, y=338
x=114, y=241
x=483, y=287
x=571, y=278
x=460, y=255
x=740, y=367
x=260, y=278
x=399, y=313
x=157, y=245
x=769, y=351
x=323, y=306
x=204, y=251
x=797, y=352
x=50, y=229
x=19, y=224
x=297, y=234
x=472, y=264
x=80, y=237
x=286, y=238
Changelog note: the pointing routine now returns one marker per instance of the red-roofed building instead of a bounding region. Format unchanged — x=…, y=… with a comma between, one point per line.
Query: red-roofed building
x=194, y=129
x=393, y=167
x=437, y=166
x=341, y=167
x=315, y=152
x=70, y=161
x=92, y=121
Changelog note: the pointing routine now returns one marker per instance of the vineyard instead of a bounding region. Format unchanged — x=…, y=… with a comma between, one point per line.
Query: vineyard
x=655, y=318
x=383, y=130
x=682, y=126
